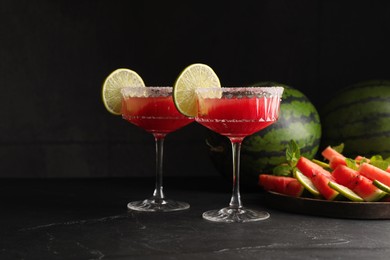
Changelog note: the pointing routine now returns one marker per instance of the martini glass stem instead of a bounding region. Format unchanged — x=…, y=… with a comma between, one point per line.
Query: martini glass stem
x=235, y=201
x=158, y=202
x=158, y=193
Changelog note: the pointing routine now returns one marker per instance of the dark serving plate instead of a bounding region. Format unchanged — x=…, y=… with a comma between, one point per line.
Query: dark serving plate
x=334, y=209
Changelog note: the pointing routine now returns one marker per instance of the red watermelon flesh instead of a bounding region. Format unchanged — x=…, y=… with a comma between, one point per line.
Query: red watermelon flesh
x=319, y=176
x=346, y=176
x=374, y=173
x=284, y=185
x=336, y=161
x=329, y=153
x=335, y=158
x=361, y=185
x=307, y=167
x=359, y=158
x=321, y=182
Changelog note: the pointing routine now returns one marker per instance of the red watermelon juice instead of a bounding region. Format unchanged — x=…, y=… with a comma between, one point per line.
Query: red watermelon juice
x=236, y=118
x=157, y=115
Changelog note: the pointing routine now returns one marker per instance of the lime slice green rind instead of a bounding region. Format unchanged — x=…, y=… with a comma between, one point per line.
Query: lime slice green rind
x=306, y=182
x=322, y=164
x=345, y=191
x=381, y=186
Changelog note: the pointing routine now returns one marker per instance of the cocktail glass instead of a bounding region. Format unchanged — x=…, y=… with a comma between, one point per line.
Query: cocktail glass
x=236, y=113
x=152, y=109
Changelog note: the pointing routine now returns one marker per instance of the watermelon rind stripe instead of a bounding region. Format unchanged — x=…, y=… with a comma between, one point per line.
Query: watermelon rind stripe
x=369, y=119
x=292, y=99
x=361, y=129
x=367, y=146
x=352, y=96
x=281, y=152
x=358, y=102
x=301, y=131
x=297, y=108
x=285, y=134
x=370, y=83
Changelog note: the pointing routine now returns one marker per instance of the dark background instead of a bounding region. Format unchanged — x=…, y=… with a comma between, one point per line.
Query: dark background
x=54, y=56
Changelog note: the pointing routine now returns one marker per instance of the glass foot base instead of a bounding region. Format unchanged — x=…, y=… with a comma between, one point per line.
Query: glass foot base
x=229, y=215
x=157, y=205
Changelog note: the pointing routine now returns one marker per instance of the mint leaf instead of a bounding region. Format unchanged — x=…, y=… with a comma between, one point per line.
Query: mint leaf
x=339, y=148
x=351, y=163
x=292, y=153
x=377, y=161
x=363, y=160
x=376, y=158
x=283, y=170
x=380, y=164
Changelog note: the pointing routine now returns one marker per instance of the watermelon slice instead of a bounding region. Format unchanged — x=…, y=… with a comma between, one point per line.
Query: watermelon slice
x=319, y=176
x=361, y=185
x=281, y=184
x=359, y=158
x=310, y=167
x=329, y=153
x=335, y=158
x=374, y=173
x=336, y=161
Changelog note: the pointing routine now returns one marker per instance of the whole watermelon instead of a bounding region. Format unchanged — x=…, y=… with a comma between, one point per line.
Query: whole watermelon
x=358, y=116
x=262, y=151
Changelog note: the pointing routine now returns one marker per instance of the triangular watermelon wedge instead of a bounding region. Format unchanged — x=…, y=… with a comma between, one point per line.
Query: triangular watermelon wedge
x=319, y=176
x=281, y=184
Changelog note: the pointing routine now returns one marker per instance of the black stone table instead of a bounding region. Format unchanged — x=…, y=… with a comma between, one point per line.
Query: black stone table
x=88, y=219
